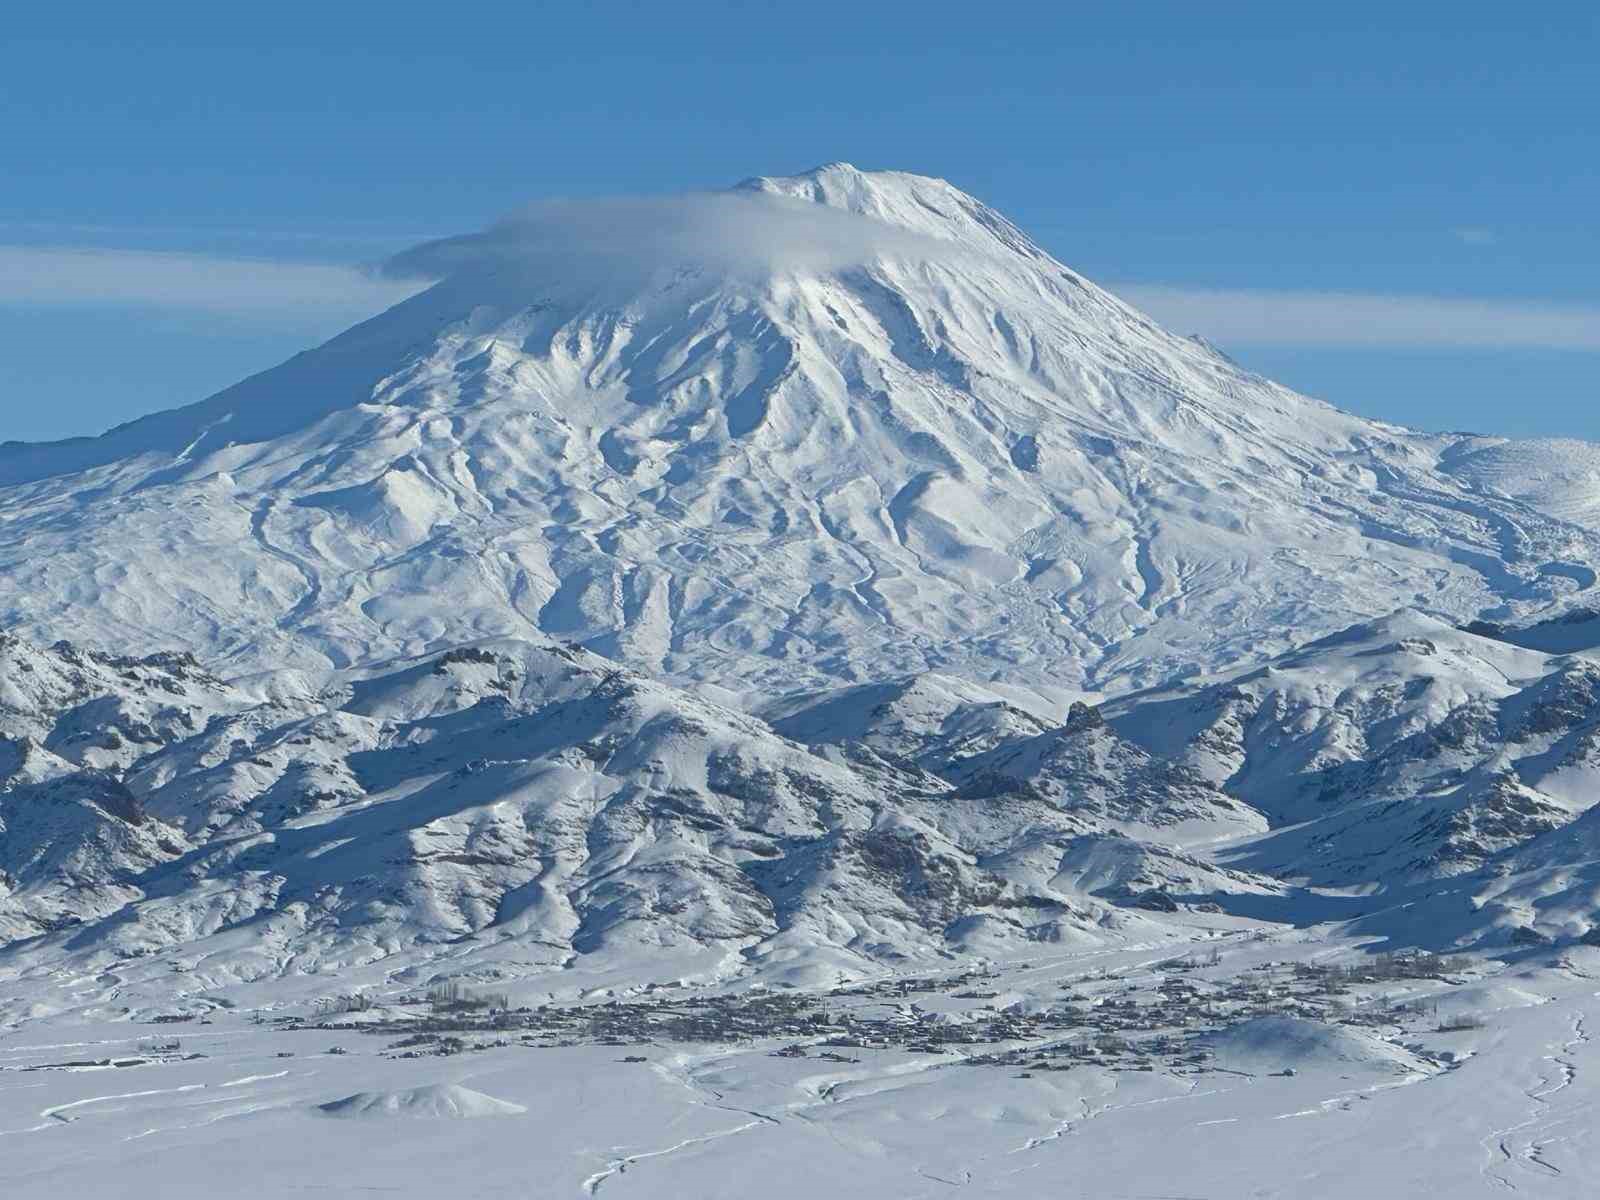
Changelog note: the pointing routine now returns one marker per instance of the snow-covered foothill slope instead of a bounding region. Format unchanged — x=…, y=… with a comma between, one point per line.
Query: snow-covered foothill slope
x=514, y=807
x=1542, y=892
x=934, y=720
x=93, y=709
x=1267, y=1045
x=1560, y=476
x=1398, y=749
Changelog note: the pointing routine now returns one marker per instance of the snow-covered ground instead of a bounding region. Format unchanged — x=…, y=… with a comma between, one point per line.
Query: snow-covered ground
x=1287, y=1107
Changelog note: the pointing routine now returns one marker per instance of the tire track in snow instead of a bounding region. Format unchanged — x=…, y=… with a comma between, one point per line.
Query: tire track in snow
x=55, y=1111
x=619, y=1166
x=1518, y=1146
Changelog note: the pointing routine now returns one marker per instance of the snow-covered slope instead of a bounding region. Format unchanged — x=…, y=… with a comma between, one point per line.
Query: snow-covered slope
x=1398, y=749
x=936, y=720
x=1560, y=476
x=788, y=583
x=516, y=806
x=521, y=808
x=79, y=707
x=841, y=427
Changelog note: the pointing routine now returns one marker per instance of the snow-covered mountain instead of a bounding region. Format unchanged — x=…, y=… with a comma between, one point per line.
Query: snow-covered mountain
x=845, y=426
x=776, y=584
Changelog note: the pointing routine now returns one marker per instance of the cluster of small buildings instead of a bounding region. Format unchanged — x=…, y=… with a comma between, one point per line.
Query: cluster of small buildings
x=1106, y=1019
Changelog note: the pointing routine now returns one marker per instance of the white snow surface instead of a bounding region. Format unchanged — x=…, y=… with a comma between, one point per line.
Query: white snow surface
x=1268, y=1045
x=1503, y=1108
x=900, y=440
x=448, y=1100
x=1555, y=475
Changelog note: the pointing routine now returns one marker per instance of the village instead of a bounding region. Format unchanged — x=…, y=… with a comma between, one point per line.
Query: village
x=1156, y=1017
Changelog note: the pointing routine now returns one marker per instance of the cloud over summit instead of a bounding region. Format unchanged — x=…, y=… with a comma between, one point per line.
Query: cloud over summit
x=735, y=232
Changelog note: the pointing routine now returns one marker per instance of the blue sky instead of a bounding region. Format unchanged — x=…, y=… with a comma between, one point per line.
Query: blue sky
x=1389, y=206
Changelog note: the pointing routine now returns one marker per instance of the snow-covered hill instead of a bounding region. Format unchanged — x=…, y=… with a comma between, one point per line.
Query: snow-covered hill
x=1399, y=749
x=845, y=426
x=518, y=809
x=512, y=807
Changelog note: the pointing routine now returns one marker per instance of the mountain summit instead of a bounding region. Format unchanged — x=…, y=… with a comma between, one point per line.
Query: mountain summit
x=834, y=427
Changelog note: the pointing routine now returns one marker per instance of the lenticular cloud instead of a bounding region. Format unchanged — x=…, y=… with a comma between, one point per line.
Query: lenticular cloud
x=735, y=232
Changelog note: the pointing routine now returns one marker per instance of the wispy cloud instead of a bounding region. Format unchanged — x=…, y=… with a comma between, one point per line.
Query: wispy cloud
x=56, y=233
x=48, y=275
x=1265, y=317
x=640, y=234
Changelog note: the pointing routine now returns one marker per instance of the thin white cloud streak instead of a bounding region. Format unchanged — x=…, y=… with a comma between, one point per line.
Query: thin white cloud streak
x=52, y=275
x=1263, y=317
x=56, y=231
x=648, y=233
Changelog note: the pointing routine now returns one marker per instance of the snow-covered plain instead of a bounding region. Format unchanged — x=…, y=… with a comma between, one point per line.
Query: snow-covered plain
x=793, y=690
x=1287, y=1108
